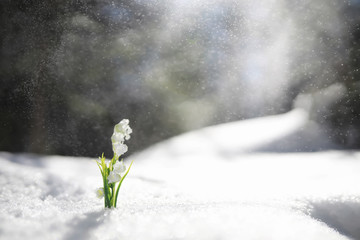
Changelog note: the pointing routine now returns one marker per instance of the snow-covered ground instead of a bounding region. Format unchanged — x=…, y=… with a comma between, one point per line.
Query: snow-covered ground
x=254, y=179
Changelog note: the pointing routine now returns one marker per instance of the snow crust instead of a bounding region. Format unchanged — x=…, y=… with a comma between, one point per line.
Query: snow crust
x=221, y=182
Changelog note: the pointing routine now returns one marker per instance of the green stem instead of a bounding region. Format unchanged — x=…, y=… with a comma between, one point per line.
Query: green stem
x=106, y=193
x=112, y=193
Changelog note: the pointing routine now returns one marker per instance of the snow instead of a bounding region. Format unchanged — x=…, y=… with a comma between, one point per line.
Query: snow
x=221, y=182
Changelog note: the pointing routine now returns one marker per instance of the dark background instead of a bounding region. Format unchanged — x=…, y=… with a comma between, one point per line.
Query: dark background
x=70, y=70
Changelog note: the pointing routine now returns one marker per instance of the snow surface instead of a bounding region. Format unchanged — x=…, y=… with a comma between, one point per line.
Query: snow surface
x=253, y=179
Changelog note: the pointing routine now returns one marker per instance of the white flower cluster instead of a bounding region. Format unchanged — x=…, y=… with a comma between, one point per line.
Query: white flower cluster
x=115, y=174
x=121, y=133
x=114, y=171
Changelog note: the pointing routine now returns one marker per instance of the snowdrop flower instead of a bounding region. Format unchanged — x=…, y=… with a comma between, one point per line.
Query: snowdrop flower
x=115, y=174
x=122, y=129
x=119, y=148
x=114, y=177
x=119, y=167
x=117, y=138
x=100, y=192
x=121, y=133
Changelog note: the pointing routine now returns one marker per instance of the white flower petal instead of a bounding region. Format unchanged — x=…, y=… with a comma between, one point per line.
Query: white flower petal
x=117, y=137
x=114, y=177
x=119, y=149
x=100, y=192
x=119, y=167
x=123, y=129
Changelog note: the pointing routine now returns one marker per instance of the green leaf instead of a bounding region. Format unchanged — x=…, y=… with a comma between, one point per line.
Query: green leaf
x=122, y=179
x=104, y=173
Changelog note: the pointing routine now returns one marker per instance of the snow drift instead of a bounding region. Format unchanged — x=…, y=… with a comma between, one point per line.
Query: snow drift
x=242, y=180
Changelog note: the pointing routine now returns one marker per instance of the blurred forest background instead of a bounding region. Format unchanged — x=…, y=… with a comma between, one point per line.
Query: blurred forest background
x=70, y=70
